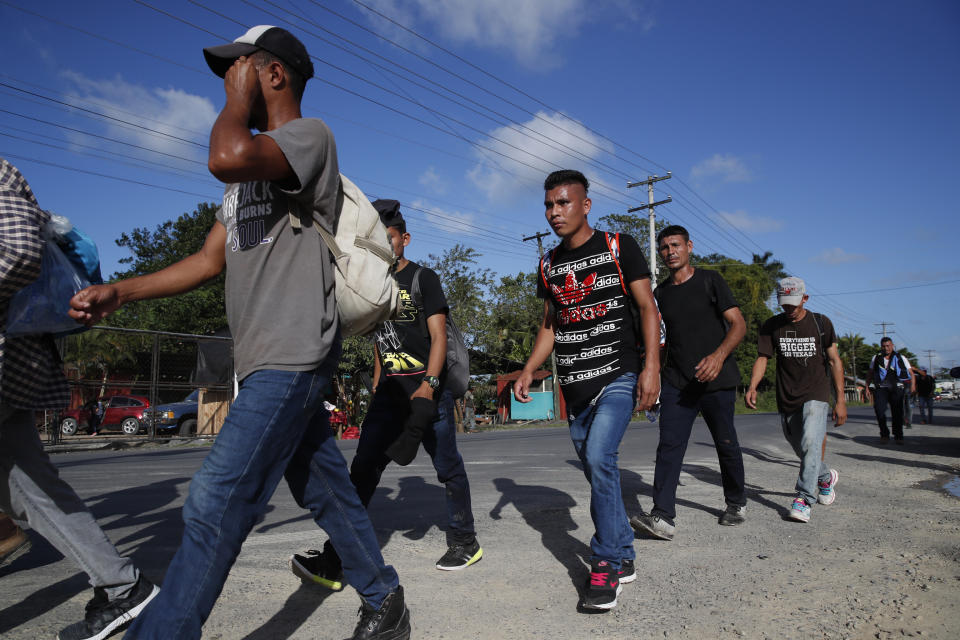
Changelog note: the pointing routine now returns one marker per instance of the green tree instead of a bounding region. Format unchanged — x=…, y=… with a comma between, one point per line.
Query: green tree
x=855, y=354
x=199, y=311
x=466, y=287
x=515, y=316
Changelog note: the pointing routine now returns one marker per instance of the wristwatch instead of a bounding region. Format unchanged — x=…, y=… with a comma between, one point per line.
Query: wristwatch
x=433, y=381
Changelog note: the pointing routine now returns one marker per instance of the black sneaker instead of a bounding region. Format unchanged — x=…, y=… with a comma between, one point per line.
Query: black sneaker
x=603, y=586
x=627, y=572
x=104, y=617
x=734, y=515
x=318, y=568
x=460, y=556
x=390, y=622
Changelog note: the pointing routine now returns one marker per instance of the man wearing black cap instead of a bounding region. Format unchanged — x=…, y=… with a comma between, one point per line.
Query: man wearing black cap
x=282, y=314
x=410, y=404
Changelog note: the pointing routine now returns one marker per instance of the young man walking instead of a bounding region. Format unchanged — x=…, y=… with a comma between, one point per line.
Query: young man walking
x=700, y=375
x=30, y=486
x=590, y=283
x=925, y=388
x=808, y=361
x=891, y=373
x=410, y=405
x=286, y=343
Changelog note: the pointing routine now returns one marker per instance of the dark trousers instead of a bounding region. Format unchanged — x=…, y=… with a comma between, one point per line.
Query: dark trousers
x=678, y=410
x=383, y=423
x=892, y=396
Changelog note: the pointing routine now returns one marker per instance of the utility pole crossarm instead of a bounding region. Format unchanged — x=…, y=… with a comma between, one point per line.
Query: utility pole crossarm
x=652, y=217
x=652, y=204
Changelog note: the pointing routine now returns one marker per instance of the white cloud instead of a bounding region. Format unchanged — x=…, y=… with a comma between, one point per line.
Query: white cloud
x=527, y=29
x=527, y=154
x=455, y=222
x=746, y=222
x=432, y=180
x=836, y=255
x=170, y=111
x=726, y=167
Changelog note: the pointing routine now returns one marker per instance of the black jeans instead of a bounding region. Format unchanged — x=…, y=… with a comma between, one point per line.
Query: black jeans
x=678, y=410
x=894, y=397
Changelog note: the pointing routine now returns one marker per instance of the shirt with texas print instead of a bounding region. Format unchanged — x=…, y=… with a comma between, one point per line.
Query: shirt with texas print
x=595, y=340
x=404, y=343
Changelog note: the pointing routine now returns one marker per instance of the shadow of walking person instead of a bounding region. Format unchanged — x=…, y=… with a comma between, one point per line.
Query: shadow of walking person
x=297, y=609
x=547, y=511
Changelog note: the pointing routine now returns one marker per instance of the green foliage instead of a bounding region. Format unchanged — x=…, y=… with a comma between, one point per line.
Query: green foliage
x=515, y=316
x=200, y=311
x=466, y=287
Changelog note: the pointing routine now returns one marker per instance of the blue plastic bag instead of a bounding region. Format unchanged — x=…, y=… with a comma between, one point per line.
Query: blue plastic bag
x=41, y=307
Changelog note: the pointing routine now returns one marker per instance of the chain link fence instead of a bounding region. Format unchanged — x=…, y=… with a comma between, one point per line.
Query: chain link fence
x=136, y=384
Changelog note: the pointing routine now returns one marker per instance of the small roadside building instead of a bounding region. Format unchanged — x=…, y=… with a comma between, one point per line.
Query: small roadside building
x=541, y=393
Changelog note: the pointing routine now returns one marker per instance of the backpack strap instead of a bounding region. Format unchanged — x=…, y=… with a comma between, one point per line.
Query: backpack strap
x=545, y=261
x=613, y=244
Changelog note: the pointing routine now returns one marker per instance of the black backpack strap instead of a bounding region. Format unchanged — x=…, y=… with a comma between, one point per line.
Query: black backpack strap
x=417, y=297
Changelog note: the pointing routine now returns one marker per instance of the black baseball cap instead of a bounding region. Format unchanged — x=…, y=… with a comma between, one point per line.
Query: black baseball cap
x=275, y=40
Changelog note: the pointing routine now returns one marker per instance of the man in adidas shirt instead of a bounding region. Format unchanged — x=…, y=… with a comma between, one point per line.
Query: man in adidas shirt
x=589, y=284
x=805, y=344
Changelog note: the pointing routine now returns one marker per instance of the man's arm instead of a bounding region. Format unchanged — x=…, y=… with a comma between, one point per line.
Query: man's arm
x=376, y=367
x=913, y=379
x=868, y=378
x=759, y=368
x=542, y=347
x=836, y=367
x=648, y=383
x=437, y=326
x=236, y=155
x=709, y=367
x=93, y=304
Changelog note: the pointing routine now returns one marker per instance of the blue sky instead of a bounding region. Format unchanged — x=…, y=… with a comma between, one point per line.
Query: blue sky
x=825, y=132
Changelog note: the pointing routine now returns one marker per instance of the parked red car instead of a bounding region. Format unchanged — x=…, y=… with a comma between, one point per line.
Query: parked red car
x=125, y=411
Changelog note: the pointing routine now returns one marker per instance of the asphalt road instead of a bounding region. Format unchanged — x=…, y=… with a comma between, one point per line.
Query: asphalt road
x=530, y=501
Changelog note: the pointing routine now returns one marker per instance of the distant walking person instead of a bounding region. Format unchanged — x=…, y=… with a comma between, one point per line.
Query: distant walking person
x=589, y=284
x=410, y=405
x=890, y=372
x=30, y=486
x=808, y=360
x=700, y=375
x=925, y=389
x=282, y=313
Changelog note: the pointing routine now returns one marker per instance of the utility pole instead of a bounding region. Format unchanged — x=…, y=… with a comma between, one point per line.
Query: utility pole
x=930, y=353
x=553, y=354
x=652, y=217
x=883, y=332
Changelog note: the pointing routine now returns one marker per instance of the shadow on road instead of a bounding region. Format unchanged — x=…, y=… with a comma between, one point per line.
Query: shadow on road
x=40, y=602
x=547, y=511
x=298, y=608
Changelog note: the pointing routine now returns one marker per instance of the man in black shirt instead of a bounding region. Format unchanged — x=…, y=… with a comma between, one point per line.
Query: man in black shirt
x=409, y=376
x=808, y=361
x=925, y=387
x=590, y=284
x=700, y=375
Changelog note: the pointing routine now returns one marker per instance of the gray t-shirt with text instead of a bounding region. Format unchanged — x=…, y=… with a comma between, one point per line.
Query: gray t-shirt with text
x=280, y=282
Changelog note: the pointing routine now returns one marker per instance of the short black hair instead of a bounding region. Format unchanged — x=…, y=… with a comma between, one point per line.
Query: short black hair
x=886, y=339
x=566, y=176
x=673, y=230
x=298, y=83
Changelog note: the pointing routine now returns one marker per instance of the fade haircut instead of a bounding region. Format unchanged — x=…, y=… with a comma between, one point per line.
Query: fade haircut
x=673, y=230
x=262, y=58
x=566, y=176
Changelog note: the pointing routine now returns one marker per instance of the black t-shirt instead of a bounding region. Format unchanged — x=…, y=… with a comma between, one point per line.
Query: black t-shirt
x=404, y=343
x=925, y=385
x=595, y=341
x=693, y=314
x=801, y=371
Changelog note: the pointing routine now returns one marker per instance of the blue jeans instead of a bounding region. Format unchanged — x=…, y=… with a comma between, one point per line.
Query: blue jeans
x=276, y=426
x=678, y=410
x=926, y=403
x=596, y=433
x=381, y=426
x=805, y=430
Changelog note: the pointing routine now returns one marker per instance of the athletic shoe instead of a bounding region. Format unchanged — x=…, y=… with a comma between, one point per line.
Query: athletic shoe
x=899, y=441
x=390, y=622
x=603, y=587
x=14, y=546
x=734, y=515
x=652, y=525
x=104, y=617
x=828, y=489
x=319, y=568
x=627, y=572
x=460, y=556
x=884, y=439
x=800, y=511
